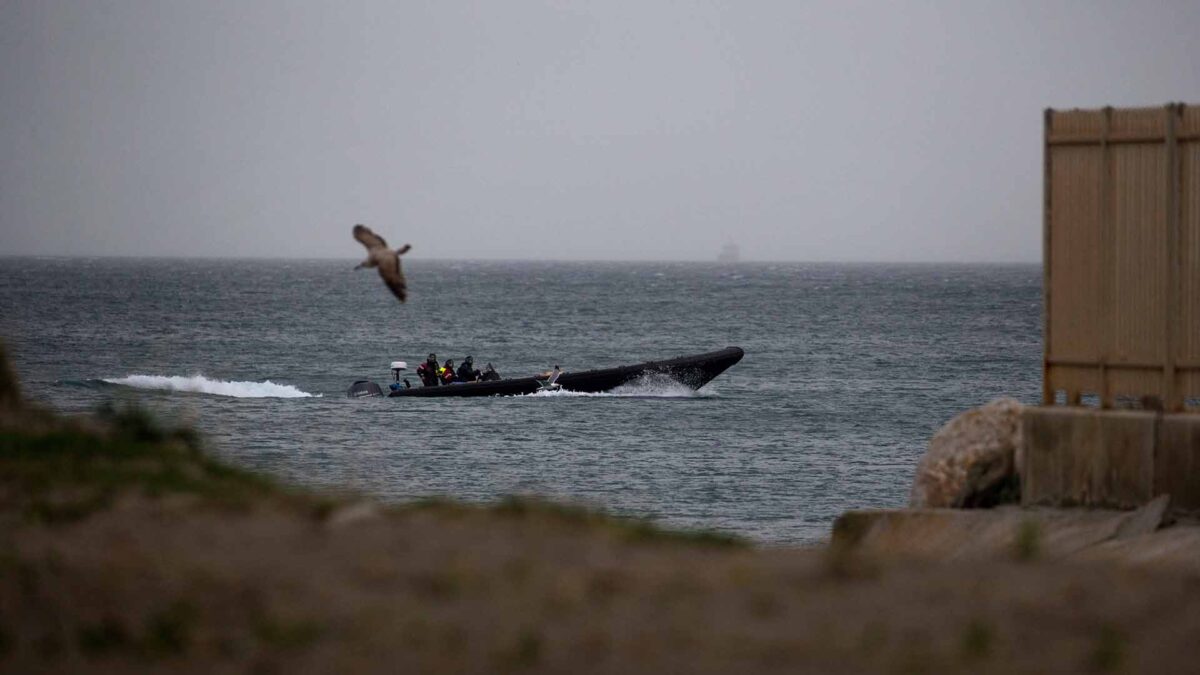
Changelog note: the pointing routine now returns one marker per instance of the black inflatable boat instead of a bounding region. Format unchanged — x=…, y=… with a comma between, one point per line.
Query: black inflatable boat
x=694, y=371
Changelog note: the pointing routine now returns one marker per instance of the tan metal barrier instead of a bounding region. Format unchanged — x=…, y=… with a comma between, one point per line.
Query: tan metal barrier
x=1122, y=256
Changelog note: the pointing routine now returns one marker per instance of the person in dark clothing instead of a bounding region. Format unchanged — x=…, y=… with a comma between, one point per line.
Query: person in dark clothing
x=448, y=376
x=430, y=372
x=467, y=372
x=489, y=374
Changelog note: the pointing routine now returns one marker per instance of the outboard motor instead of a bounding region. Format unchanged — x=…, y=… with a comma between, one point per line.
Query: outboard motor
x=397, y=368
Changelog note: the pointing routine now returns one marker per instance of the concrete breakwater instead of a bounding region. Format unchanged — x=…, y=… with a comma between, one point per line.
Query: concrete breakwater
x=1110, y=458
x=1068, y=483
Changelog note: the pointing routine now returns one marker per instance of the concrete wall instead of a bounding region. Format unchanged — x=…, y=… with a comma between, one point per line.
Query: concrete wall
x=1116, y=459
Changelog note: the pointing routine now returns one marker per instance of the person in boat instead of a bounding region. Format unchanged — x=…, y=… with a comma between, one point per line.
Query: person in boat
x=448, y=376
x=489, y=374
x=467, y=372
x=430, y=372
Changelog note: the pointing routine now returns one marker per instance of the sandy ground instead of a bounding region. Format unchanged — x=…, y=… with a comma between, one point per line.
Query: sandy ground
x=181, y=585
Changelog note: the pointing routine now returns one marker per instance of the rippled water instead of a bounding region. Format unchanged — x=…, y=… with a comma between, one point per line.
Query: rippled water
x=848, y=371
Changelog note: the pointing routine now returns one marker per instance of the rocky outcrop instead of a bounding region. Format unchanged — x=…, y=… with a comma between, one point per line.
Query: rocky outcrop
x=973, y=461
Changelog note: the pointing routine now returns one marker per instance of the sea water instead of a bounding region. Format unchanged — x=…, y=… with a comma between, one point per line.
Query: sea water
x=849, y=370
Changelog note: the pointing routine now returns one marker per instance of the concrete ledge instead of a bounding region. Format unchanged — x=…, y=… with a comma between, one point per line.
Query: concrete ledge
x=1109, y=458
x=1176, y=547
x=1088, y=457
x=1177, y=461
x=1011, y=532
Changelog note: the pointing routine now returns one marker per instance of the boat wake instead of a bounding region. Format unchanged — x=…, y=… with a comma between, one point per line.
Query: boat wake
x=198, y=384
x=646, y=387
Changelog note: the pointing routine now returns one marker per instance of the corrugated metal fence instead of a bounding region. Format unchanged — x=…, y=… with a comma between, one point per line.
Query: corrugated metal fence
x=1122, y=256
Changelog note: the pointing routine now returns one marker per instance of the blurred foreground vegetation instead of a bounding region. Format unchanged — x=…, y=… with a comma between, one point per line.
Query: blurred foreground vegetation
x=124, y=547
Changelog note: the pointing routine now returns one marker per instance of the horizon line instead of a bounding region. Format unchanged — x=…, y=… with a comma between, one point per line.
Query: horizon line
x=834, y=261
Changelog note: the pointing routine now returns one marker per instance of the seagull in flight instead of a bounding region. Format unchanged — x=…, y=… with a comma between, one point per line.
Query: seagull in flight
x=384, y=258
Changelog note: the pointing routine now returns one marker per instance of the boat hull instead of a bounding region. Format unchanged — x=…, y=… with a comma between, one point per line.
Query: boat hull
x=694, y=371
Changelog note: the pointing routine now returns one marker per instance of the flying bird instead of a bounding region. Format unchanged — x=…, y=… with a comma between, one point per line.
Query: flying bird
x=384, y=258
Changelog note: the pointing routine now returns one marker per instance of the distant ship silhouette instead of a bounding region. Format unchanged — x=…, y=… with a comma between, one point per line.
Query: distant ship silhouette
x=729, y=253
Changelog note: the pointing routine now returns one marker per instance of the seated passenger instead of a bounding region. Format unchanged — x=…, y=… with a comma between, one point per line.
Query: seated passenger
x=448, y=376
x=489, y=374
x=467, y=372
x=430, y=372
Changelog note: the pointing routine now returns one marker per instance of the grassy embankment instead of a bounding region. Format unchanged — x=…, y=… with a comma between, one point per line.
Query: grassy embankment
x=123, y=546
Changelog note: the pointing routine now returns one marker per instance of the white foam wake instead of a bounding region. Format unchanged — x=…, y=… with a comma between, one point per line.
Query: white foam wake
x=646, y=387
x=202, y=385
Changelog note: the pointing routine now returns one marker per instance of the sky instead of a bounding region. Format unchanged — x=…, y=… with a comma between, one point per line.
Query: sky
x=641, y=130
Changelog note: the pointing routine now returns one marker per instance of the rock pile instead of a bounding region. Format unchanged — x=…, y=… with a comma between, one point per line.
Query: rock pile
x=974, y=461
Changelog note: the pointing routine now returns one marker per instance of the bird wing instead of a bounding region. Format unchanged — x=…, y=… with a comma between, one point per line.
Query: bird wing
x=393, y=276
x=368, y=238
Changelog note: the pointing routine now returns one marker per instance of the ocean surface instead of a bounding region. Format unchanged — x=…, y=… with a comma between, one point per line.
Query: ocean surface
x=849, y=370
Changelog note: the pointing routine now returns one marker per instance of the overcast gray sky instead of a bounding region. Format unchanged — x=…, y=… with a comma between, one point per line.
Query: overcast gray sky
x=903, y=131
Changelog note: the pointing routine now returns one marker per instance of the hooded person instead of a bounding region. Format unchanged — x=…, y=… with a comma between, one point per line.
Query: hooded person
x=448, y=376
x=430, y=372
x=467, y=372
